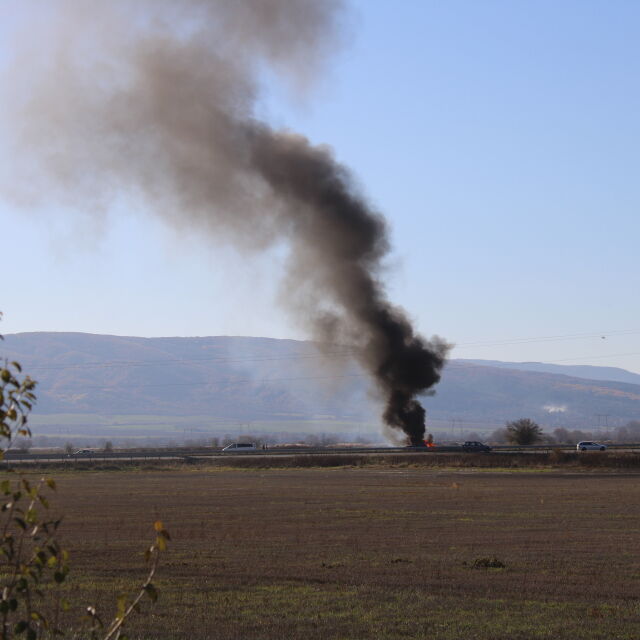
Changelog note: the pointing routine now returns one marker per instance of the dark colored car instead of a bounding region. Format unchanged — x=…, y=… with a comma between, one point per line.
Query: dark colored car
x=471, y=446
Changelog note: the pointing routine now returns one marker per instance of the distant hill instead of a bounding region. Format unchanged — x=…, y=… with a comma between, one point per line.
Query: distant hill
x=243, y=378
x=266, y=379
x=589, y=372
x=496, y=394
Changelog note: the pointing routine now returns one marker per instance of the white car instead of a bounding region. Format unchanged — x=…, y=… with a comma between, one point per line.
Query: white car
x=240, y=447
x=587, y=445
x=82, y=452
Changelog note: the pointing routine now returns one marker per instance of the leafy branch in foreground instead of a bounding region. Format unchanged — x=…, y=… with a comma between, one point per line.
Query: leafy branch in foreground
x=16, y=401
x=31, y=560
x=33, y=566
x=127, y=607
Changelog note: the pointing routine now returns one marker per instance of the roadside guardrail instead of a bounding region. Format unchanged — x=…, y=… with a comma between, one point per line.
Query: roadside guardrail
x=133, y=455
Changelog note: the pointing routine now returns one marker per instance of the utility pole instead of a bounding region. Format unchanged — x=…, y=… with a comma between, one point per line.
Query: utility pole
x=603, y=420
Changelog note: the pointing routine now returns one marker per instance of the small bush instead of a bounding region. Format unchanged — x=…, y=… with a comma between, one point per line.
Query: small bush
x=524, y=432
x=557, y=456
x=488, y=563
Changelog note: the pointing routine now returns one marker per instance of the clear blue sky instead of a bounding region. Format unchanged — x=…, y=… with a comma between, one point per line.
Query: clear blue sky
x=500, y=138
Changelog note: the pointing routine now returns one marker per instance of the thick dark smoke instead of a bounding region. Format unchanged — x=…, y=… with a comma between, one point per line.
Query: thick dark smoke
x=157, y=104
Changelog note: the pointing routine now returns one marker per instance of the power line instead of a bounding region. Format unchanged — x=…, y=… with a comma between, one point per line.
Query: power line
x=220, y=380
x=610, y=355
x=343, y=352
x=568, y=336
x=148, y=363
x=258, y=381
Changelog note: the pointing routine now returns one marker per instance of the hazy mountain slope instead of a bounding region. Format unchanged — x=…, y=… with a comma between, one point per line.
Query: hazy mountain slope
x=263, y=378
x=612, y=374
x=499, y=394
x=222, y=376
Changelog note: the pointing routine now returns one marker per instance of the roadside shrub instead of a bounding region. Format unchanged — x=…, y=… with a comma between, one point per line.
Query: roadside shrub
x=524, y=432
x=600, y=459
x=557, y=456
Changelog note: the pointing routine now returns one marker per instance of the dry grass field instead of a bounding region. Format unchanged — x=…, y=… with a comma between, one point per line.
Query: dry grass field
x=362, y=553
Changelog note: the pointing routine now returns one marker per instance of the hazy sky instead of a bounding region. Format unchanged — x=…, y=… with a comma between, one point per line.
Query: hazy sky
x=501, y=140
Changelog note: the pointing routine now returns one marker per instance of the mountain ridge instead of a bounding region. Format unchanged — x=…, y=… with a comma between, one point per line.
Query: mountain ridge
x=246, y=378
x=587, y=371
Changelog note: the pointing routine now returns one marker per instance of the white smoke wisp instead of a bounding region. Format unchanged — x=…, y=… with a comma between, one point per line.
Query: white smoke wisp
x=553, y=408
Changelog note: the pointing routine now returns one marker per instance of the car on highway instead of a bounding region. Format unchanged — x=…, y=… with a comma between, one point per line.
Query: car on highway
x=241, y=447
x=587, y=445
x=472, y=446
x=83, y=452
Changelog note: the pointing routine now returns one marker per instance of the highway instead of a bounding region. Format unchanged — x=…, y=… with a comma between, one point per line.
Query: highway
x=12, y=457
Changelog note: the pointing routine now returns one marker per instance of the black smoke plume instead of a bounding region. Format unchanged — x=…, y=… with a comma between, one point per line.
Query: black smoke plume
x=156, y=101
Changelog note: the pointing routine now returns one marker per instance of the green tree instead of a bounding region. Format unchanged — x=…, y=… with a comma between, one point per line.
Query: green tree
x=33, y=565
x=524, y=432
